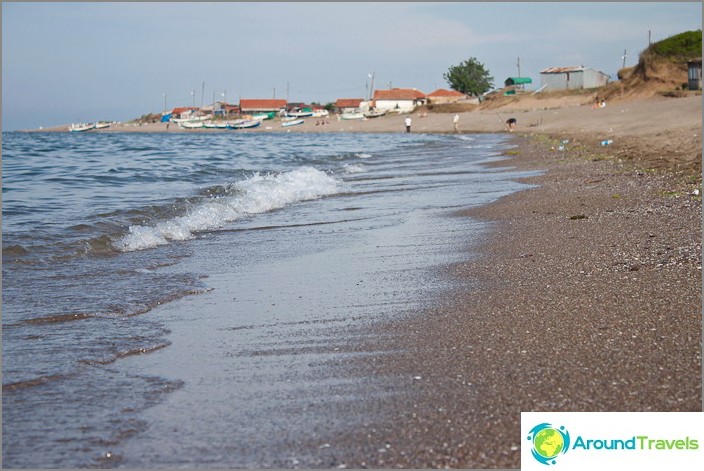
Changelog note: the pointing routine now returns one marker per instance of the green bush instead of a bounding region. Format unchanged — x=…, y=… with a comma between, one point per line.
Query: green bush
x=687, y=45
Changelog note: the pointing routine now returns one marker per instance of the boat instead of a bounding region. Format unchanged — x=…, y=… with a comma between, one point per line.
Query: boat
x=352, y=115
x=293, y=122
x=81, y=127
x=244, y=124
x=102, y=125
x=320, y=113
x=191, y=124
x=374, y=113
x=214, y=125
x=264, y=116
x=300, y=113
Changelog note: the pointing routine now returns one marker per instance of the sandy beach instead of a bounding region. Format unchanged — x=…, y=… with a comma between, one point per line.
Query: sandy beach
x=585, y=295
x=590, y=300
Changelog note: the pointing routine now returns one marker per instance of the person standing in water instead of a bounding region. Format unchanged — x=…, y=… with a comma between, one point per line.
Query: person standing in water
x=408, y=122
x=456, y=122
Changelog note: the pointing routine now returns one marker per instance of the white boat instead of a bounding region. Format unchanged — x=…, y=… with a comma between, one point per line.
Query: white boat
x=81, y=127
x=320, y=113
x=102, y=125
x=299, y=114
x=374, y=113
x=191, y=119
x=191, y=124
x=294, y=122
x=353, y=115
x=244, y=124
x=214, y=125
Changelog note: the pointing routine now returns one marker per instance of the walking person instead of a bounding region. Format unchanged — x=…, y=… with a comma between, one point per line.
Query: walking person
x=456, y=122
x=408, y=122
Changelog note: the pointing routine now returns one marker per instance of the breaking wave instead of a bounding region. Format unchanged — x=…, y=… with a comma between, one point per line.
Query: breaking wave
x=254, y=195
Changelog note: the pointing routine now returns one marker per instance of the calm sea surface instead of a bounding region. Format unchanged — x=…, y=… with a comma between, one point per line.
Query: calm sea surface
x=98, y=230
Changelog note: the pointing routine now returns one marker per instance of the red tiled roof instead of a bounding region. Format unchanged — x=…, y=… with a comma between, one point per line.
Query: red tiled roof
x=398, y=94
x=441, y=92
x=348, y=102
x=265, y=104
x=182, y=109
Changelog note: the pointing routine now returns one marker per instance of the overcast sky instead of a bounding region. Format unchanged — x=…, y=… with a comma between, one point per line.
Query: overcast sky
x=65, y=62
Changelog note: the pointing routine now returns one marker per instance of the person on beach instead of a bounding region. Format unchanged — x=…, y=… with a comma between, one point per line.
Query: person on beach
x=511, y=124
x=456, y=122
x=408, y=122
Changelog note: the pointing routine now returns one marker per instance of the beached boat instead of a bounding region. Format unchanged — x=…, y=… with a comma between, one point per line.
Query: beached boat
x=293, y=122
x=374, y=113
x=320, y=113
x=81, y=127
x=352, y=115
x=244, y=124
x=102, y=125
x=191, y=124
x=264, y=116
x=214, y=125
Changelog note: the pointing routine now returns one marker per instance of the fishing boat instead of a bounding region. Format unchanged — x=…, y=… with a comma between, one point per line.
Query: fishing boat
x=352, y=115
x=300, y=113
x=374, y=113
x=244, y=124
x=293, y=122
x=214, y=125
x=320, y=113
x=102, y=125
x=191, y=124
x=81, y=127
x=264, y=116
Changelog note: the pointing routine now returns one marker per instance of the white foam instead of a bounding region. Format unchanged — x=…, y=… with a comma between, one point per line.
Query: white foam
x=354, y=168
x=255, y=195
x=362, y=155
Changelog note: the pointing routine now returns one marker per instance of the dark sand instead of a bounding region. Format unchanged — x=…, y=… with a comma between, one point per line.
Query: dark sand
x=589, y=300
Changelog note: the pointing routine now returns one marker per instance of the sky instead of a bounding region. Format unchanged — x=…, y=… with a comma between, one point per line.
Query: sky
x=83, y=62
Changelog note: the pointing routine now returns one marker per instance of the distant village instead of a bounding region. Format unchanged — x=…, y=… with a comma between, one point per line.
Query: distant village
x=250, y=112
x=382, y=101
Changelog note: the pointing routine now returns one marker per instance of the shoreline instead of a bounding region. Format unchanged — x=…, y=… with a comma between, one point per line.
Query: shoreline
x=589, y=299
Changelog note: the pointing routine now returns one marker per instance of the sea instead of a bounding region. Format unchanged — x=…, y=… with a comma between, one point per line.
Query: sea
x=160, y=290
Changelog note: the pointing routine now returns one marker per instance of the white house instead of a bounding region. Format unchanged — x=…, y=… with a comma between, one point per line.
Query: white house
x=399, y=99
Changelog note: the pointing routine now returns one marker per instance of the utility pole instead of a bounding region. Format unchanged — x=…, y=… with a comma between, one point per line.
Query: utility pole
x=650, y=42
x=518, y=64
x=624, y=59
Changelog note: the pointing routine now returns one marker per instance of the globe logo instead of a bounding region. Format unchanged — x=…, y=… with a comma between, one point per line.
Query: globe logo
x=548, y=442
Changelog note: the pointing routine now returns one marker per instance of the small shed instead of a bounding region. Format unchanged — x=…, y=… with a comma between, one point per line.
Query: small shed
x=512, y=81
x=694, y=74
x=572, y=78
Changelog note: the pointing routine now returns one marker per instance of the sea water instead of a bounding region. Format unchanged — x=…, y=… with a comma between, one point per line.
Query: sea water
x=102, y=232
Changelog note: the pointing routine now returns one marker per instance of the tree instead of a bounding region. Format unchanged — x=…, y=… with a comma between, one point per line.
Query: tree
x=470, y=77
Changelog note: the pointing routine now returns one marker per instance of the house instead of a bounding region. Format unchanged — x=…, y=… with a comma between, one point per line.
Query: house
x=261, y=105
x=348, y=105
x=441, y=96
x=572, y=78
x=694, y=74
x=184, y=112
x=400, y=99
